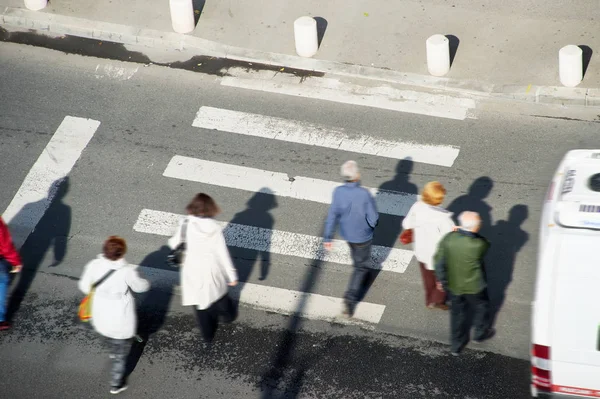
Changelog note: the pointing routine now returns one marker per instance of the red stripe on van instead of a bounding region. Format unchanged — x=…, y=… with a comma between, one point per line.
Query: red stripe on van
x=590, y=393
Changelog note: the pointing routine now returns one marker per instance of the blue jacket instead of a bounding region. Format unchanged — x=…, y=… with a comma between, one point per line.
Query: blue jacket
x=354, y=207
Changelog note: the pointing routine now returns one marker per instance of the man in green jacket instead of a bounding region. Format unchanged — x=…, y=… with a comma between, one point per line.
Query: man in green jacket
x=460, y=271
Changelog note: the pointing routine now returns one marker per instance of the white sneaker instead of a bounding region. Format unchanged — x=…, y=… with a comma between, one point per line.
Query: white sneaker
x=116, y=390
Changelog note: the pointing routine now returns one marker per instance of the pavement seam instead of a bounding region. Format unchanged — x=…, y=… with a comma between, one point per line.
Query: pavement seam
x=128, y=35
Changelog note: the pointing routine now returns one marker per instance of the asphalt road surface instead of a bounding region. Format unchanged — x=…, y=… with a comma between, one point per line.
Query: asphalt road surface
x=146, y=114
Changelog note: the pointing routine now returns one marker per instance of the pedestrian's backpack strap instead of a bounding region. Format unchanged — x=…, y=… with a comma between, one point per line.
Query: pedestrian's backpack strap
x=85, y=307
x=107, y=275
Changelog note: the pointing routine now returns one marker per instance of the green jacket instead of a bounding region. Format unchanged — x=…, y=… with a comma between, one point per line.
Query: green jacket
x=459, y=262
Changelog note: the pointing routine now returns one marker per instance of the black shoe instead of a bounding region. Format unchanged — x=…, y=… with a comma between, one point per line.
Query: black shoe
x=488, y=334
x=4, y=325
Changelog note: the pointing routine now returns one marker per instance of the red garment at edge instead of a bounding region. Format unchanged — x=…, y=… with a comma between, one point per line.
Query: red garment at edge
x=7, y=248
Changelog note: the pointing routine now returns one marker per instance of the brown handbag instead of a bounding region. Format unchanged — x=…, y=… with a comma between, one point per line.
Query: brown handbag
x=406, y=237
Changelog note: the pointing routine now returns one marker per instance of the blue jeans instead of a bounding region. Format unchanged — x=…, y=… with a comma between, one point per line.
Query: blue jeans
x=4, y=280
x=361, y=257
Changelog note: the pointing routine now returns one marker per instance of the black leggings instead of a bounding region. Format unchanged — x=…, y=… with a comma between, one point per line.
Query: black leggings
x=208, y=319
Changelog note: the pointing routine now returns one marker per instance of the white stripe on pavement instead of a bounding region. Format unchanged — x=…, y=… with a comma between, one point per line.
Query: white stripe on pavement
x=384, y=97
x=280, y=184
x=54, y=164
x=310, y=134
x=278, y=242
x=280, y=300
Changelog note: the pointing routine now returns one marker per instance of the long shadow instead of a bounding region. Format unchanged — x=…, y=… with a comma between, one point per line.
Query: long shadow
x=474, y=201
x=389, y=227
x=507, y=240
x=256, y=214
x=52, y=231
x=273, y=379
x=152, y=309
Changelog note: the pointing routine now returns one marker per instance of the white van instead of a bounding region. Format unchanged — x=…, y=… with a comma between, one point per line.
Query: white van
x=565, y=337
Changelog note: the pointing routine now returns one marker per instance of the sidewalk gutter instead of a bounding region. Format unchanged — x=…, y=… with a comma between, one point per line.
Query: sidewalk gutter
x=104, y=31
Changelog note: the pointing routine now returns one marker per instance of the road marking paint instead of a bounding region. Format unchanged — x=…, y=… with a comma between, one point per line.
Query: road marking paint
x=311, y=134
x=280, y=184
x=114, y=72
x=384, y=97
x=281, y=300
x=41, y=183
x=278, y=242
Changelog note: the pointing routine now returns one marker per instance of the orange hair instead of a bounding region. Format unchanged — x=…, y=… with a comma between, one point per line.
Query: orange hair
x=433, y=193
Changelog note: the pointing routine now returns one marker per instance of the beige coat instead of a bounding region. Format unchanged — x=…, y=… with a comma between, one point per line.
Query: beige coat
x=207, y=266
x=430, y=224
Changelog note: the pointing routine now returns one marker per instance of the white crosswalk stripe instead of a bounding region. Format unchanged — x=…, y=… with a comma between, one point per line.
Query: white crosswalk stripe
x=329, y=89
x=53, y=165
x=284, y=301
x=279, y=184
x=278, y=242
x=310, y=134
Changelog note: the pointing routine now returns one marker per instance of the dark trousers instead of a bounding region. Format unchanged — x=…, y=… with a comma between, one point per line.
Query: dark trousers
x=361, y=257
x=208, y=319
x=433, y=296
x=119, y=349
x=463, y=306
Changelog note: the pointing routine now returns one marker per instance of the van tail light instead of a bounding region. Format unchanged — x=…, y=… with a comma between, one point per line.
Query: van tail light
x=540, y=367
x=550, y=193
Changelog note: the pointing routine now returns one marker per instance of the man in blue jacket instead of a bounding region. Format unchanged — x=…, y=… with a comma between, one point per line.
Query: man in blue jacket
x=355, y=210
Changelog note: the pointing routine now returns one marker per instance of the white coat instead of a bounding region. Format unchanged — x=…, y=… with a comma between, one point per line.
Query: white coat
x=429, y=224
x=113, y=304
x=207, y=266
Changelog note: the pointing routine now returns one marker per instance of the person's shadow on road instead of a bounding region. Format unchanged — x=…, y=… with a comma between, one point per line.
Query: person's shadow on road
x=507, y=239
x=153, y=308
x=52, y=231
x=256, y=215
x=474, y=201
x=389, y=227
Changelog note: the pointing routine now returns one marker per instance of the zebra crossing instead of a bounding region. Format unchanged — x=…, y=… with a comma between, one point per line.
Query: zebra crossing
x=289, y=243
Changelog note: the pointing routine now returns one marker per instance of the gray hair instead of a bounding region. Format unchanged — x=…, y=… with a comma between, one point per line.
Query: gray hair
x=349, y=171
x=469, y=221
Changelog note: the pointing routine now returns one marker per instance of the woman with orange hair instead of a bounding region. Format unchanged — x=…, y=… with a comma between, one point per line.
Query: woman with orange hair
x=430, y=223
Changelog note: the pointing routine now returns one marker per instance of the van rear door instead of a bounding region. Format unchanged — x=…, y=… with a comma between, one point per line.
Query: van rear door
x=575, y=348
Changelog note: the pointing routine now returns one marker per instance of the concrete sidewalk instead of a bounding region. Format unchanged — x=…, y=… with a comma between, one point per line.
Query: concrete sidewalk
x=507, y=47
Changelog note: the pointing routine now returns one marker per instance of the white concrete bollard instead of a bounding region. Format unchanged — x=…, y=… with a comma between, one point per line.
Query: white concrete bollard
x=438, y=55
x=305, y=34
x=182, y=15
x=570, y=65
x=35, y=5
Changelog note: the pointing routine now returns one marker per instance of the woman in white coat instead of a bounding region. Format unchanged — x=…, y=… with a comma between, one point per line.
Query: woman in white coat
x=207, y=270
x=113, y=304
x=430, y=223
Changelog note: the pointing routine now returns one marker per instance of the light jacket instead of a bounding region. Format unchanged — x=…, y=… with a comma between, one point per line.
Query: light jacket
x=7, y=248
x=113, y=304
x=207, y=266
x=459, y=262
x=354, y=207
x=429, y=224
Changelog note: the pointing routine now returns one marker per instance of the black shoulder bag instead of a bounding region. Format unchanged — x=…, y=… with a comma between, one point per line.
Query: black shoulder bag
x=175, y=257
